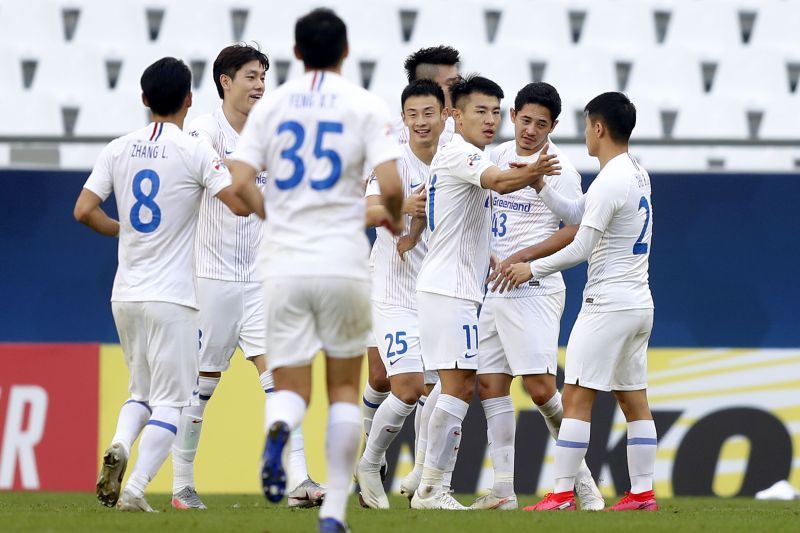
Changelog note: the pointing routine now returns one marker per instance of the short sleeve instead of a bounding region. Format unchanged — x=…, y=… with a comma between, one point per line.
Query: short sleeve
x=213, y=173
x=199, y=130
x=251, y=147
x=469, y=163
x=379, y=137
x=101, y=180
x=373, y=187
x=603, y=199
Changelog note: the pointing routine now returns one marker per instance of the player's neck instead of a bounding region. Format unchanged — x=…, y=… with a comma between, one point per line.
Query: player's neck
x=609, y=151
x=336, y=70
x=423, y=153
x=235, y=118
x=176, y=119
x=524, y=152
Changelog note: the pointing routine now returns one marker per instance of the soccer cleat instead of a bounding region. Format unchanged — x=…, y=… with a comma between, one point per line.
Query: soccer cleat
x=490, y=501
x=410, y=484
x=331, y=525
x=307, y=494
x=273, y=475
x=645, y=501
x=187, y=498
x=371, y=493
x=562, y=501
x=589, y=494
x=136, y=504
x=115, y=460
x=440, y=499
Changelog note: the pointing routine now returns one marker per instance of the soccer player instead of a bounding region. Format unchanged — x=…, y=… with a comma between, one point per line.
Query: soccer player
x=314, y=135
x=451, y=278
x=395, y=262
x=158, y=175
x=607, y=349
x=440, y=64
x=228, y=287
x=519, y=328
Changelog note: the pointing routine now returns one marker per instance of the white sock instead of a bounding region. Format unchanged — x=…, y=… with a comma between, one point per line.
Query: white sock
x=418, y=417
x=444, y=433
x=642, y=443
x=426, y=409
x=500, y=428
x=183, y=459
x=341, y=447
x=133, y=415
x=447, y=477
x=298, y=468
x=571, y=446
x=267, y=383
x=154, y=446
x=285, y=406
x=371, y=400
x=552, y=411
x=388, y=422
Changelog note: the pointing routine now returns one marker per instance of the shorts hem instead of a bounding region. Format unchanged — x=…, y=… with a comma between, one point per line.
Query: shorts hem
x=346, y=354
x=534, y=372
x=213, y=368
x=404, y=371
x=171, y=404
x=482, y=371
x=587, y=384
x=457, y=365
x=627, y=388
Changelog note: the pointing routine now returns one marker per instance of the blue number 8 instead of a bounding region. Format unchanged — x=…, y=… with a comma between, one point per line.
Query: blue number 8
x=290, y=154
x=145, y=200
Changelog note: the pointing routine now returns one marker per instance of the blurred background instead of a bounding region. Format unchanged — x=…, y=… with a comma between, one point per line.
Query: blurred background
x=715, y=83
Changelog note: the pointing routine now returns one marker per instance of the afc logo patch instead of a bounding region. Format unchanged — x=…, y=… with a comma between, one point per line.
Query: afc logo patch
x=218, y=164
x=472, y=159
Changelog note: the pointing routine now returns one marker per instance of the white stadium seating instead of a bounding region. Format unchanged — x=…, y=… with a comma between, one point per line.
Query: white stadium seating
x=698, y=70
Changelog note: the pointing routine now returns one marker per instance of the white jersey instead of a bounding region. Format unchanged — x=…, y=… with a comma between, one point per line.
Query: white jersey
x=457, y=260
x=618, y=205
x=157, y=175
x=226, y=244
x=521, y=219
x=314, y=135
x=394, y=280
x=400, y=130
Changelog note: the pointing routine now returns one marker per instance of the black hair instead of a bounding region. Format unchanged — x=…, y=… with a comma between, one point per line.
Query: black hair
x=540, y=93
x=234, y=57
x=165, y=85
x=473, y=83
x=614, y=110
x=321, y=38
x=422, y=88
x=435, y=55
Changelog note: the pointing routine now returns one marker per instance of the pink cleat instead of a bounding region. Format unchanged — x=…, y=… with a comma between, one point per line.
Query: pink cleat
x=644, y=501
x=561, y=501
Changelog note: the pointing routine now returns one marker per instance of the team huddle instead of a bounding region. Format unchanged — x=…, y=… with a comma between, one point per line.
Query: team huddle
x=462, y=287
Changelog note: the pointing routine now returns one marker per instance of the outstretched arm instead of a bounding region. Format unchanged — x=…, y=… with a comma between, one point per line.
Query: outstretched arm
x=245, y=188
x=88, y=211
x=520, y=175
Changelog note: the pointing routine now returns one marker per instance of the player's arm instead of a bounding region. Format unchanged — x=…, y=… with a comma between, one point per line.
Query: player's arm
x=391, y=193
x=376, y=213
x=408, y=242
x=234, y=203
x=520, y=175
x=244, y=187
x=88, y=211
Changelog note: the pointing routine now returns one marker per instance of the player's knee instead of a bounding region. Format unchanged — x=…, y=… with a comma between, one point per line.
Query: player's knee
x=378, y=379
x=540, y=392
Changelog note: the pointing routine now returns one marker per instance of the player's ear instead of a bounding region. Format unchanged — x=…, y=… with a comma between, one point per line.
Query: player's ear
x=297, y=53
x=187, y=102
x=512, y=113
x=225, y=81
x=553, y=127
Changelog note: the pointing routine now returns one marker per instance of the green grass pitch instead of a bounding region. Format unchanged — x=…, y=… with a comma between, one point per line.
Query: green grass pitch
x=59, y=512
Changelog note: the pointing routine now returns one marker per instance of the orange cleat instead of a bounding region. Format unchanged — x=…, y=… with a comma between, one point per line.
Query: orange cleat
x=644, y=501
x=561, y=501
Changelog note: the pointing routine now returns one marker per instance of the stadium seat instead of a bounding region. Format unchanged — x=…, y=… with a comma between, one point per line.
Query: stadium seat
x=710, y=25
x=540, y=27
x=711, y=117
x=752, y=76
x=630, y=22
x=185, y=34
x=36, y=24
x=462, y=26
x=114, y=26
x=667, y=77
x=776, y=27
x=112, y=114
x=781, y=119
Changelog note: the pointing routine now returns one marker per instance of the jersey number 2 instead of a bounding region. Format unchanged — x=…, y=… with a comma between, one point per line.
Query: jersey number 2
x=145, y=200
x=291, y=154
x=639, y=247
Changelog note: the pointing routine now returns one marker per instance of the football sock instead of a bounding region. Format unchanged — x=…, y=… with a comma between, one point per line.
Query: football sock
x=571, y=446
x=298, y=468
x=553, y=412
x=342, y=443
x=371, y=400
x=157, y=438
x=447, y=477
x=267, y=383
x=184, y=453
x=388, y=422
x=500, y=428
x=286, y=406
x=422, y=436
x=418, y=417
x=132, y=417
x=444, y=434
x=642, y=443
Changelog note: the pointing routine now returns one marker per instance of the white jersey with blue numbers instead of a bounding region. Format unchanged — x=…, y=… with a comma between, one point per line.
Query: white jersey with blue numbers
x=158, y=175
x=227, y=245
x=618, y=205
x=521, y=219
x=458, y=213
x=394, y=280
x=314, y=135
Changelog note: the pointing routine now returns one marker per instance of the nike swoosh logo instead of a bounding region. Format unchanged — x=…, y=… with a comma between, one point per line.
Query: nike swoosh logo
x=195, y=392
x=469, y=356
x=393, y=362
x=227, y=153
x=390, y=430
x=414, y=186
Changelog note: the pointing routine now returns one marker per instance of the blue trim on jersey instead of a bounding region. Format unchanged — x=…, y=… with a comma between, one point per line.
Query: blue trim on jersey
x=370, y=404
x=205, y=398
x=269, y=390
x=431, y=195
x=321, y=79
x=144, y=404
x=642, y=440
x=571, y=444
x=165, y=425
x=421, y=403
x=160, y=129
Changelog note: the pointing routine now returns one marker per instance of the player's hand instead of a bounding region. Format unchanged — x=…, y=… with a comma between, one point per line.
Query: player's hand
x=498, y=276
x=545, y=165
x=405, y=244
x=518, y=274
x=414, y=204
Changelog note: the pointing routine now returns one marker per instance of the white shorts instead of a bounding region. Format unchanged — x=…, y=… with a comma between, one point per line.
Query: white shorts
x=396, y=332
x=231, y=315
x=159, y=340
x=448, y=330
x=519, y=336
x=305, y=315
x=608, y=351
